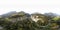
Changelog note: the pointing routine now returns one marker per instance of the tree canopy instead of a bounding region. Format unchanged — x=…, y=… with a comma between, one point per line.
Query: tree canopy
x=23, y=21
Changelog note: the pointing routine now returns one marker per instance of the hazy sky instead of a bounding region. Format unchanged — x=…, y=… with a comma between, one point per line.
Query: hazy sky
x=30, y=6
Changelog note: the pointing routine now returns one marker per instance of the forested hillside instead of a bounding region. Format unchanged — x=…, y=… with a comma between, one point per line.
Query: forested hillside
x=26, y=21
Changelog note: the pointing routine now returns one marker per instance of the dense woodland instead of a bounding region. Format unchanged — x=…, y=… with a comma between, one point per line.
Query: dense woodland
x=23, y=21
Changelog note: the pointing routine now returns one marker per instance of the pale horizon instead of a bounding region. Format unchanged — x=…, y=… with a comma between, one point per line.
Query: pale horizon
x=30, y=6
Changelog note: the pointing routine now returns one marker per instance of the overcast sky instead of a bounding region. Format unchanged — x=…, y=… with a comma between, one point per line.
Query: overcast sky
x=30, y=6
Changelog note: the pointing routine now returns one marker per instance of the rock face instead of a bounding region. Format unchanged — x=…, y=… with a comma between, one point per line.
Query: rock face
x=40, y=19
x=36, y=17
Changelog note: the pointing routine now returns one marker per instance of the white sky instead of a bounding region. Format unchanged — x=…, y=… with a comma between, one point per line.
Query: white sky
x=30, y=6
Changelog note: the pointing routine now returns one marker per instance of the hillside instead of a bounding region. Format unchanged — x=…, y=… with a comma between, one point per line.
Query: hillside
x=25, y=21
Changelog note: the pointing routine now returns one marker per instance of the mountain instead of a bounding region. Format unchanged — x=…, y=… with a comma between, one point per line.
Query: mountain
x=50, y=15
x=24, y=21
x=8, y=14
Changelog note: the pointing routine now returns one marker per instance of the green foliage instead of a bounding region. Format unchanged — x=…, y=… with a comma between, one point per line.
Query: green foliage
x=56, y=18
x=27, y=23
